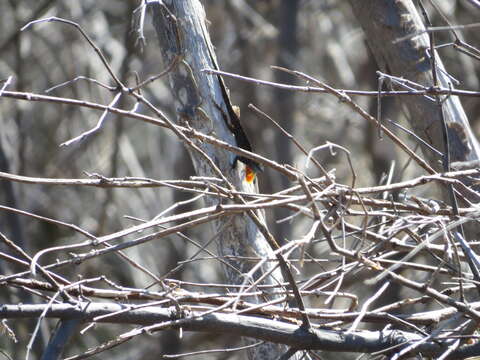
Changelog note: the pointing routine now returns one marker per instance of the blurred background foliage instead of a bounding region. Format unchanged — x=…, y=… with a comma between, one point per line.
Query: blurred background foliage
x=320, y=38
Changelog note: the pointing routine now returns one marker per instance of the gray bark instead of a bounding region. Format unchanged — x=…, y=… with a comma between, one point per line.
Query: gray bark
x=182, y=32
x=388, y=26
x=362, y=341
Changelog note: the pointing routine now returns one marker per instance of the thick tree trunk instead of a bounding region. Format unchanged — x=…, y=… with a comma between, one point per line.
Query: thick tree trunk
x=182, y=32
x=393, y=30
x=388, y=27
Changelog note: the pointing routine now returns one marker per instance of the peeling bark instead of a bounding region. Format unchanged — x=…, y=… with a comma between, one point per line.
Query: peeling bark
x=183, y=36
x=388, y=27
